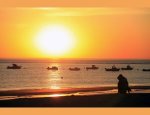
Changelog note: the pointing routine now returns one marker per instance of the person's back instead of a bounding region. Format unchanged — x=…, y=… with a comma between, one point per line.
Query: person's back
x=123, y=85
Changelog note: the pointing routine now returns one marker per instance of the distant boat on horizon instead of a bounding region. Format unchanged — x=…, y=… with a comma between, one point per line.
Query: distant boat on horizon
x=146, y=70
x=52, y=68
x=14, y=66
x=127, y=68
x=74, y=69
x=114, y=68
x=92, y=68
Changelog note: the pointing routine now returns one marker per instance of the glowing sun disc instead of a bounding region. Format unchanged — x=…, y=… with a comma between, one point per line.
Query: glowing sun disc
x=55, y=40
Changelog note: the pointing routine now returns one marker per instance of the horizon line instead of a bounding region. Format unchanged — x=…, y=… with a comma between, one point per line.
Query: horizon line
x=74, y=59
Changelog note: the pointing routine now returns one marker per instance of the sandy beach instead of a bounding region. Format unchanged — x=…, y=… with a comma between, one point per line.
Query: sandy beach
x=105, y=100
x=76, y=97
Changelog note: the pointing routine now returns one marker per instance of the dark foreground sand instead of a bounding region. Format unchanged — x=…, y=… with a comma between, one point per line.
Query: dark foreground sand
x=101, y=100
x=105, y=100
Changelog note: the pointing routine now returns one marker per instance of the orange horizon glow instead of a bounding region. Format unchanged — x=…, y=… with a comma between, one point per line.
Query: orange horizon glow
x=96, y=32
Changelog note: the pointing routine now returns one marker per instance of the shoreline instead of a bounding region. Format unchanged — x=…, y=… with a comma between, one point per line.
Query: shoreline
x=76, y=97
x=44, y=91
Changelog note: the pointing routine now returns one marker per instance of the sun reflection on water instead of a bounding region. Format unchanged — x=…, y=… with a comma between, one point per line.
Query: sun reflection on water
x=54, y=77
x=56, y=95
x=55, y=87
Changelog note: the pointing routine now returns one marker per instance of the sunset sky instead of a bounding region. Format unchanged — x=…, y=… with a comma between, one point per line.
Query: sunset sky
x=99, y=29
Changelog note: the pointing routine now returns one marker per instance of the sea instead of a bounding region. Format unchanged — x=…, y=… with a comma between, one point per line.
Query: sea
x=34, y=75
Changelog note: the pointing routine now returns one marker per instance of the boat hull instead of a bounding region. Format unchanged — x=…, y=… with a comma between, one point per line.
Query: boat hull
x=107, y=69
x=14, y=67
x=52, y=68
x=146, y=70
x=126, y=68
x=92, y=68
x=74, y=69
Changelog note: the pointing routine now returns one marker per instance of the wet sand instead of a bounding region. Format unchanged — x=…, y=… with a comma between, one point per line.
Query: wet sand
x=62, y=90
x=51, y=91
x=77, y=97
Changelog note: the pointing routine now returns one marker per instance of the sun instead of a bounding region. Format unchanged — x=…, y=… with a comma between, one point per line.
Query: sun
x=55, y=40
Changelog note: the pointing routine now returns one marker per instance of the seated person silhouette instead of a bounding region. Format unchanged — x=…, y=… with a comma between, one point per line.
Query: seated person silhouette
x=123, y=86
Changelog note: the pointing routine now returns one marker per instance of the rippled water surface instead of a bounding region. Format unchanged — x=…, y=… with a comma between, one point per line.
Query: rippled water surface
x=35, y=76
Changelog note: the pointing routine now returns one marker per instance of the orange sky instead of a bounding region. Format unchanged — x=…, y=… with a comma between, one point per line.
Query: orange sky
x=107, y=32
x=76, y=3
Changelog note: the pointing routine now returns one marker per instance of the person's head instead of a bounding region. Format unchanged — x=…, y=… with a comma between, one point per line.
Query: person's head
x=120, y=77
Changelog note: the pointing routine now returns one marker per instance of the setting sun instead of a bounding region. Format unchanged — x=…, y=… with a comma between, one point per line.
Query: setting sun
x=55, y=40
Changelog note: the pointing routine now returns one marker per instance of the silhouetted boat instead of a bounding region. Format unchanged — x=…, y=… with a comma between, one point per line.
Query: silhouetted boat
x=127, y=68
x=114, y=68
x=14, y=66
x=52, y=68
x=74, y=69
x=93, y=67
x=146, y=69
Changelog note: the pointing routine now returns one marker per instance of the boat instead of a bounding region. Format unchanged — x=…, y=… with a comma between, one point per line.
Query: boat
x=14, y=66
x=93, y=67
x=74, y=69
x=114, y=68
x=127, y=68
x=146, y=70
x=52, y=68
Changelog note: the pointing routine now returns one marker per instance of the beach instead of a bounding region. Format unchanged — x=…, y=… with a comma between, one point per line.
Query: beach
x=76, y=97
x=35, y=86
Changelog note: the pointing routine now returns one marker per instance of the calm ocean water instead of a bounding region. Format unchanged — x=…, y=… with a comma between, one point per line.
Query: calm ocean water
x=35, y=75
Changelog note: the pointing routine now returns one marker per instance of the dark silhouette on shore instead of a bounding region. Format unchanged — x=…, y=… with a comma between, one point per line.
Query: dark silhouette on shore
x=123, y=85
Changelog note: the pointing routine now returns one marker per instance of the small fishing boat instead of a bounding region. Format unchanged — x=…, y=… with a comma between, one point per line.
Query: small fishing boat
x=92, y=68
x=52, y=68
x=146, y=70
x=14, y=66
x=127, y=68
x=114, y=68
x=74, y=69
